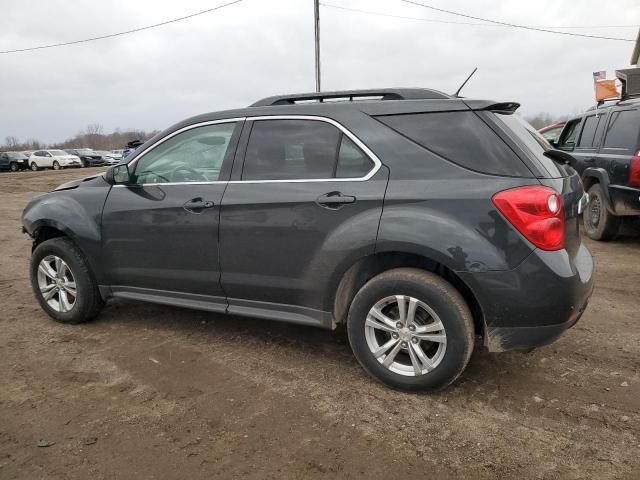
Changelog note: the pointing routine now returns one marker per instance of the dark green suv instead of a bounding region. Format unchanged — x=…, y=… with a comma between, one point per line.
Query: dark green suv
x=605, y=143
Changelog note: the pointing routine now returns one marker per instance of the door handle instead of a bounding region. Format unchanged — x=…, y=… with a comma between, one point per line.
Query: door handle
x=588, y=160
x=335, y=200
x=197, y=205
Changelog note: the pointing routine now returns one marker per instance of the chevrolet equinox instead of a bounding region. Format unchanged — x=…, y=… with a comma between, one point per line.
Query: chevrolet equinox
x=418, y=219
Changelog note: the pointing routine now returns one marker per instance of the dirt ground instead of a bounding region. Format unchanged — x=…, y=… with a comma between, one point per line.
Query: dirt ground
x=148, y=391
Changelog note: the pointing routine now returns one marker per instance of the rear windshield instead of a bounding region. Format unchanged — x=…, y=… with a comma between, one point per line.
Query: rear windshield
x=462, y=138
x=530, y=140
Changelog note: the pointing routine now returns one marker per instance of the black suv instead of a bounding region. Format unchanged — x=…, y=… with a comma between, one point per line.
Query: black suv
x=88, y=157
x=418, y=219
x=605, y=145
x=13, y=161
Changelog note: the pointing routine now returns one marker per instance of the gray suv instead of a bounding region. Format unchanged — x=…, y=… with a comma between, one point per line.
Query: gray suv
x=418, y=219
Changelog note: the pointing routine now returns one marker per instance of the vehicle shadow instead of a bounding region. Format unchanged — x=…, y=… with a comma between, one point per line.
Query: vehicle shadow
x=318, y=347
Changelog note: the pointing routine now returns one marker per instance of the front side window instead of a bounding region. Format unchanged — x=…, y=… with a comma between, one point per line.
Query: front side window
x=623, y=130
x=195, y=155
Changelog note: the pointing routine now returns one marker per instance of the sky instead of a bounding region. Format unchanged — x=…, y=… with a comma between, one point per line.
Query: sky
x=232, y=57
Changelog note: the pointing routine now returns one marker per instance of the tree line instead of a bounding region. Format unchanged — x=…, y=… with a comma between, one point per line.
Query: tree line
x=92, y=136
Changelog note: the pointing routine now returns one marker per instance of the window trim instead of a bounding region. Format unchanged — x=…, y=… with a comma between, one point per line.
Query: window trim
x=377, y=164
x=368, y=153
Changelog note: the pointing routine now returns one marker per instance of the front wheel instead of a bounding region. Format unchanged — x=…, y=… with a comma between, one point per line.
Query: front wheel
x=599, y=223
x=13, y=167
x=411, y=330
x=34, y=167
x=63, y=283
x=56, y=165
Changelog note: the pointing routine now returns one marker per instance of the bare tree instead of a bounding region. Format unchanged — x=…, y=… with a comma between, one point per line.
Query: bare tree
x=11, y=141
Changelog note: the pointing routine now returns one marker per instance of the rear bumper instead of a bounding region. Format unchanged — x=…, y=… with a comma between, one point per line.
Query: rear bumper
x=536, y=302
x=624, y=200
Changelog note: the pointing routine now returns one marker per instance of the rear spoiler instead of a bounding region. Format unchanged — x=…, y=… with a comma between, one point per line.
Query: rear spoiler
x=504, y=107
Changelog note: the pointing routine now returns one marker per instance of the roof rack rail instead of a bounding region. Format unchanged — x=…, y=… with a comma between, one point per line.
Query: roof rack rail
x=351, y=95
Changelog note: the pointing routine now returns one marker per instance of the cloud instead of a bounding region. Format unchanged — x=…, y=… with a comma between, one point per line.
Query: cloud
x=234, y=56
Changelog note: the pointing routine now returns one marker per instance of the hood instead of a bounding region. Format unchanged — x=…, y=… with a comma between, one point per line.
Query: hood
x=74, y=183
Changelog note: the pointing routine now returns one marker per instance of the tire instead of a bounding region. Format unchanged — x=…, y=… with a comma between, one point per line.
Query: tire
x=13, y=167
x=446, y=305
x=34, y=167
x=56, y=165
x=599, y=223
x=87, y=303
x=82, y=163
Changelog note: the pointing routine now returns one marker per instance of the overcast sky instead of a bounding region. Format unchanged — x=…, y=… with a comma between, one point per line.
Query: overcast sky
x=231, y=57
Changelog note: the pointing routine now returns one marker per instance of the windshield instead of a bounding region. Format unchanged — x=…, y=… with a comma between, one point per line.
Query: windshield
x=16, y=155
x=85, y=151
x=530, y=140
x=58, y=153
x=103, y=153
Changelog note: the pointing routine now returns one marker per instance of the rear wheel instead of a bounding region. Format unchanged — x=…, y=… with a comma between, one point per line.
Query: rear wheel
x=13, y=167
x=599, y=223
x=34, y=167
x=411, y=330
x=63, y=283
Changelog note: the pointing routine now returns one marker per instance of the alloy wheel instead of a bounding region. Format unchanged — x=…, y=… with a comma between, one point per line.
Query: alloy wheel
x=405, y=335
x=57, y=283
x=594, y=212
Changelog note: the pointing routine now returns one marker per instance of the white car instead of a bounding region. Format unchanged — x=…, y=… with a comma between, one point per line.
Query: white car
x=110, y=158
x=55, y=159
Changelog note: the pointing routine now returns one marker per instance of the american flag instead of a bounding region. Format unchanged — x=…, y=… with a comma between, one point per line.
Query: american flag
x=597, y=76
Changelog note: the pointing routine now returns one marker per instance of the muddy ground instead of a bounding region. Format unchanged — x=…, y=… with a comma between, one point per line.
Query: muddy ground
x=150, y=391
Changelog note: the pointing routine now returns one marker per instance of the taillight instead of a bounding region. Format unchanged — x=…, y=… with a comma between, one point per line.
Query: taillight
x=634, y=170
x=536, y=212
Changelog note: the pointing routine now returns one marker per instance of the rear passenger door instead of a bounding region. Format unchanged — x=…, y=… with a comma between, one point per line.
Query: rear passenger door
x=621, y=142
x=305, y=202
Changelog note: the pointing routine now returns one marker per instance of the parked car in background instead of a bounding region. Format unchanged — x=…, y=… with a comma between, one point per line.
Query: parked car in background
x=275, y=211
x=55, y=159
x=552, y=132
x=605, y=146
x=109, y=157
x=88, y=157
x=13, y=161
x=118, y=153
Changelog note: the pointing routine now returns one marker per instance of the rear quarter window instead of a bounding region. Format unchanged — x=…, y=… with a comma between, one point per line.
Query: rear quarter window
x=460, y=137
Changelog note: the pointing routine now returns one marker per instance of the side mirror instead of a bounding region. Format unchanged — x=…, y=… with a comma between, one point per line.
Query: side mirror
x=118, y=174
x=554, y=143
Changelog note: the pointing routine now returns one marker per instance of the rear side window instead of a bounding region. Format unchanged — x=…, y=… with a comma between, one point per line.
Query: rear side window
x=623, y=130
x=588, y=132
x=301, y=150
x=460, y=137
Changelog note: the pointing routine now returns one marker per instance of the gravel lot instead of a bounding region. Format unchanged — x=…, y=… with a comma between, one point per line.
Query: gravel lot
x=148, y=391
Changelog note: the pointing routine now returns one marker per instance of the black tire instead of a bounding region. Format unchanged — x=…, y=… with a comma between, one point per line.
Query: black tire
x=88, y=302
x=56, y=165
x=599, y=223
x=445, y=301
x=82, y=163
x=13, y=167
x=34, y=167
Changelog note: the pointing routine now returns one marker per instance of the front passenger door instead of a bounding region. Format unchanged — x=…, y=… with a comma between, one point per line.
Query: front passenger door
x=160, y=231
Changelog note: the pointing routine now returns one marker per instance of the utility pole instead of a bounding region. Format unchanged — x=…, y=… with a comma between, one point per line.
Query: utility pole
x=316, y=19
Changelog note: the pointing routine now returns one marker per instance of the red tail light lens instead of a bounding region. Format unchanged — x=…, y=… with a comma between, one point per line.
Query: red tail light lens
x=536, y=212
x=634, y=171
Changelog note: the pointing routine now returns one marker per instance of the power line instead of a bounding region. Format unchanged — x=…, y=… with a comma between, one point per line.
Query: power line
x=111, y=35
x=514, y=25
x=433, y=20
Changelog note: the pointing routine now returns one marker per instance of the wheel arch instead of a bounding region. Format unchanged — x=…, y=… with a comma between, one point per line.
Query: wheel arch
x=365, y=268
x=593, y=175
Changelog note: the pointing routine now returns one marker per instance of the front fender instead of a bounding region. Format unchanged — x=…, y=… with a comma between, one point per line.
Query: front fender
x=77, y=214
